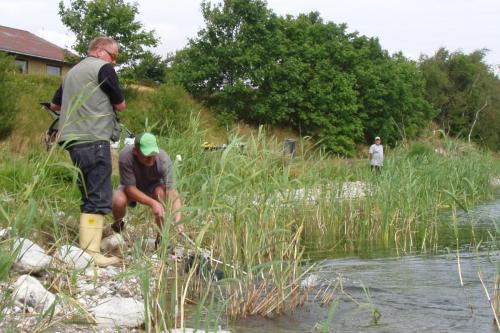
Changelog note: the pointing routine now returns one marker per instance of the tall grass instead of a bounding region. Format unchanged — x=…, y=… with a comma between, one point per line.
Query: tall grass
x=407, y=199
x=258, y=211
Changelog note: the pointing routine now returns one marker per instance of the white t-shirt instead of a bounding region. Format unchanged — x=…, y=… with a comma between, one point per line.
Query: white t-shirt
x=377, y=152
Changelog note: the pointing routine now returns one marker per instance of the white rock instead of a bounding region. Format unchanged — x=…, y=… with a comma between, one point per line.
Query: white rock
x=103, y=291
x=29, y=292
x=149, y=244
x=91, y=272
x=354, y=190
x=102, y=272
x=310, y=282
x=495, y=182
x=86, y=287
x=5, y=233
x=108, y=272
x=112, y=244
x=75, y=257
x=31, y=258
x=119, y=312
x=192, y=330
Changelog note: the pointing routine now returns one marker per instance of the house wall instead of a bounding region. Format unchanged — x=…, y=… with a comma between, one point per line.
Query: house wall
x=39, y=66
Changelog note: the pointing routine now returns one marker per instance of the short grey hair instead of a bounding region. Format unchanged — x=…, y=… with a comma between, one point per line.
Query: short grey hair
x=100, y=42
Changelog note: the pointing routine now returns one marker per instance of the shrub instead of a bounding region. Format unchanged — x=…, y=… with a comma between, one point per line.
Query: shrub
x=168, y=109
x=8, y=95
x=420, y=149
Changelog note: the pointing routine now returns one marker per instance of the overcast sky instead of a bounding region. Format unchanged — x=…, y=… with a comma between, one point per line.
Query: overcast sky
x=411, y=26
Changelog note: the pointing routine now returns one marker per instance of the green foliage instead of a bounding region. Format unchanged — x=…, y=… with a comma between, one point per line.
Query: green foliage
x=8, y=95
x=112, y=18
x=151, y=70
x=6, y=261
x=465, y=92
x=419, y=148
x=301, y=72
x=392, y=96
x=168, y=110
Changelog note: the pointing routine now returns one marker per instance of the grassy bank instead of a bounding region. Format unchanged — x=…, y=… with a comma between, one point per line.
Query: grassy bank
x=257, y=210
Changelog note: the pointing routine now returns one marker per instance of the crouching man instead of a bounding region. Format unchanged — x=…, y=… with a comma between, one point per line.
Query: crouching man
x=146, y=177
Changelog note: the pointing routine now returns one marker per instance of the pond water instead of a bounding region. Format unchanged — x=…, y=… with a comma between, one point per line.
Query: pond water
x=418, y=293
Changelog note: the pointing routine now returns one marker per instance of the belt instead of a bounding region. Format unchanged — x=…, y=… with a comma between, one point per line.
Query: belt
x=82, y=144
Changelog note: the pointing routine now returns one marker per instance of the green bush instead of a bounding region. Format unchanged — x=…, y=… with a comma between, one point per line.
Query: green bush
x=420, y=149
x=167, y=110
x=8, y=95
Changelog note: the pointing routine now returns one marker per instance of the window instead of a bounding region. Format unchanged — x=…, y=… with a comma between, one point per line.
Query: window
x=22, y=66
x=54, y=70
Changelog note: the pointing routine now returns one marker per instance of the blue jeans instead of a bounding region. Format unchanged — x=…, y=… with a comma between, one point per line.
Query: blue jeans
x=94, y=161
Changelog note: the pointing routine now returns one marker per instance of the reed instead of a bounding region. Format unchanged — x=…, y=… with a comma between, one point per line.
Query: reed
x=262, y=215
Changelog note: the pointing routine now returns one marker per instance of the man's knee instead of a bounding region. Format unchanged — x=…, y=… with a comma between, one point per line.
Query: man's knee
x=120, y=199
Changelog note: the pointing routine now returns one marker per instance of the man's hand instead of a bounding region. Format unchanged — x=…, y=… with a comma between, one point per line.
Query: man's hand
x=158, y=209
x=54, y=107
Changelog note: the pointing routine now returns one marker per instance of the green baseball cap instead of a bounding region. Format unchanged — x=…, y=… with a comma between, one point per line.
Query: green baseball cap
x=146, y=143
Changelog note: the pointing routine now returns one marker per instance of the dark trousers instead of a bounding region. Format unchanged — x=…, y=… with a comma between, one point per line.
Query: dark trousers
x=376, y=168
x=94, y=161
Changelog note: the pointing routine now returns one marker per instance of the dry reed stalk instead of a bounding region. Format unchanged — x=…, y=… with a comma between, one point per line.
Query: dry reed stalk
x=328, y=295
x=304, y=297
x=266, y=302
x=496, y=295
x=489, y=299
x=459, y=269
x=281, y=300
x=461, y=280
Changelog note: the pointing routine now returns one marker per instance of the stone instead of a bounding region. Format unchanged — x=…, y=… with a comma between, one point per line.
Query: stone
x=5, y=233
x=354, y=190
x=119, y=312
x=192, y=330
x=30, y=293
x=75, y=257
x=310, y=281
x=108, y=272
x=149, y=245
x=86, y=287
x=112, y=244
x=495, y=182
x=31, y=258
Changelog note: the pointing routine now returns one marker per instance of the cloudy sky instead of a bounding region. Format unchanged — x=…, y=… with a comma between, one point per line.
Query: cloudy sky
x=411, y=26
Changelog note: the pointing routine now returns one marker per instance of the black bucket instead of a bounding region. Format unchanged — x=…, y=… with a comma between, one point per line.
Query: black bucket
x=290, y=147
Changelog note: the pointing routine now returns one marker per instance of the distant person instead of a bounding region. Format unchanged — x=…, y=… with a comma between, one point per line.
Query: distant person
x=146, y=177
x=376, y=155
x=88, y=98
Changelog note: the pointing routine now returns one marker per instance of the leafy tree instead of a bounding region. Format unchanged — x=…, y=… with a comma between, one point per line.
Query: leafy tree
x=465, y=92
x=302, y=72
x=151, y=69
x=112, y=18
x=395, y=104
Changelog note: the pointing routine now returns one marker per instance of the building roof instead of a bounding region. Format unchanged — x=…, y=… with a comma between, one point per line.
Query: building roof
x=25, y=43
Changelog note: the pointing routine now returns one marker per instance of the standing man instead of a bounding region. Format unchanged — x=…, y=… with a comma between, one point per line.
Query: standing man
x=146, y=176
x=376, y=155
x=88, y=98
